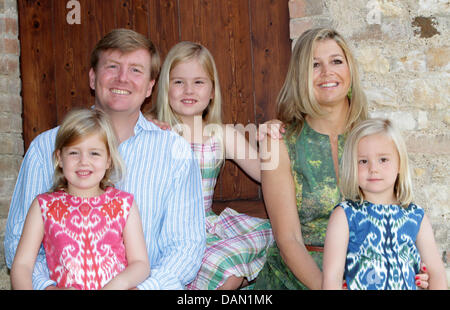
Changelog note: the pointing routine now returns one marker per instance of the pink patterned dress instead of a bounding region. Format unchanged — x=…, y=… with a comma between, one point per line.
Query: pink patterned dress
x=83, y=237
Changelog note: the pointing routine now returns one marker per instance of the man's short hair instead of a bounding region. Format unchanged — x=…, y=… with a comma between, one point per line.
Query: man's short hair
x=126, y=40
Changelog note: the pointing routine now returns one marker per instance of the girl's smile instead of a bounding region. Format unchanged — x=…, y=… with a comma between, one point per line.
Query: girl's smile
x=190, y=89
x=84, y=165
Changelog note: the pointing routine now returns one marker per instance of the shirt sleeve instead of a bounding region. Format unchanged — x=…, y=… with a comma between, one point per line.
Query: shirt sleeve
x=33, y=179
x=183, y=236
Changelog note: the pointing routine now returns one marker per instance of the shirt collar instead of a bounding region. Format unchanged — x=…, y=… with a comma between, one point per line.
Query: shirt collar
x=144, y=124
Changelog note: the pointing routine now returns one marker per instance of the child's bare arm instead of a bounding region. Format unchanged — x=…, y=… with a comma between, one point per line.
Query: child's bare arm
x=336, y=242
x=27, y=250
x=138, y=268
x=430, y=256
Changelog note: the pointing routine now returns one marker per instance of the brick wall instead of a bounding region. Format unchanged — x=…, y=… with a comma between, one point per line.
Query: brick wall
x=11, y=142
x=404, y=54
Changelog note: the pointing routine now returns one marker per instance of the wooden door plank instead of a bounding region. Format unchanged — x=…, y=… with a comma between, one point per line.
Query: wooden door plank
x=223, y=27
x=101, y=19
x=164, y=27
x=163, y=31
x=133, y=14
x=271, y=53
x=71, y=53
x=37, y=67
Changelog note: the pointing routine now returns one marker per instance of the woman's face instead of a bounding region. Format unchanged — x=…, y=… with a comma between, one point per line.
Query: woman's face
x=331, y=73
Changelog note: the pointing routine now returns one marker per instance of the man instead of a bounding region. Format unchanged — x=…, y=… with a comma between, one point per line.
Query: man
x=162, y=173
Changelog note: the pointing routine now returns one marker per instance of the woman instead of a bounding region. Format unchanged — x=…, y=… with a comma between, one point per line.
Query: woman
x=320, y=101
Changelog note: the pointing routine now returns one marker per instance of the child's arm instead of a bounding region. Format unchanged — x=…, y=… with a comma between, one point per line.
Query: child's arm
x=28, y=248
x=335, y=250
x=243, y=153
x=138, y=268
x=430, y=256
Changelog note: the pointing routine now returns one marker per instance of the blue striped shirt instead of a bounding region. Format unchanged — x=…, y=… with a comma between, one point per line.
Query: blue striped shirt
x=165, y=180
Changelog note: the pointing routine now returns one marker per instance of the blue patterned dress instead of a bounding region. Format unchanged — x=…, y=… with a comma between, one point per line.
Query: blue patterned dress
x=382, y=252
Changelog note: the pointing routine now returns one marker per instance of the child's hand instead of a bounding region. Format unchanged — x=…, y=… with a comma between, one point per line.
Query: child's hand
x=160, y=124
x=422, y=278
x=55, y=288
x=274, y=128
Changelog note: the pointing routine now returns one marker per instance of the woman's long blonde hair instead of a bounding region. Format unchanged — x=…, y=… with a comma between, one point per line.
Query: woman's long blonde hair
x=296, y=98
x=79, y=124
x=348, y=181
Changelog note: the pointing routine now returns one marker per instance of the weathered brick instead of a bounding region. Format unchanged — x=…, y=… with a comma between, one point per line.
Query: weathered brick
x=11, y=26
x=298, y=26
x=9, y=65
x=9, y=166
x=10, y=46
x=371, y=59
x=303, y=8
x=10, y=103
x=438, y=58
x=11, y=144
x=436, y=144
x=10, y=123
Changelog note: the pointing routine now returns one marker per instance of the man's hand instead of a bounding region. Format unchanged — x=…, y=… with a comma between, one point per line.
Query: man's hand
x=160, y=124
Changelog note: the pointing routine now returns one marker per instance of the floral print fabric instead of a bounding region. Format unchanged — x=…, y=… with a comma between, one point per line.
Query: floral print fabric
x=83, y=237
x=382, y=252
x=316, y=191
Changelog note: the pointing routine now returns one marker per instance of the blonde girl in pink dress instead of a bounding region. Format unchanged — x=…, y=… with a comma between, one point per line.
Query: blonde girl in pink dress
x=91, y=232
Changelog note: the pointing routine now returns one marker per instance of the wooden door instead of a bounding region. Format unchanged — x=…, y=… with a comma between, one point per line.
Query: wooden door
x=249, y=40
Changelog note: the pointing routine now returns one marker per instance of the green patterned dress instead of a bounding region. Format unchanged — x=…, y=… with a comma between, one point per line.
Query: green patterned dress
x=316, y=194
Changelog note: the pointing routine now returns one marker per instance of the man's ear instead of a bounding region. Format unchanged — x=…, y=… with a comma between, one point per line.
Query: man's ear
x=92, y=77
x=150, y=88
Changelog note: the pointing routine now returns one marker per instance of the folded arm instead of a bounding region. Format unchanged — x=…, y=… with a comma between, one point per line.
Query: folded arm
x=279, y=196
x=183, y=238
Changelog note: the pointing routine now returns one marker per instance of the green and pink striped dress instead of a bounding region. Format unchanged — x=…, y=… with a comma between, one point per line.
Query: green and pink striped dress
x=236, y=243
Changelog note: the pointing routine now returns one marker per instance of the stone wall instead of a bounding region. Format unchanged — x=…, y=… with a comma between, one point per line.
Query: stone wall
x=403, y=48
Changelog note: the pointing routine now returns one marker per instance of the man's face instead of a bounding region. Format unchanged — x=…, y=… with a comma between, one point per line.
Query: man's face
x=121, y=81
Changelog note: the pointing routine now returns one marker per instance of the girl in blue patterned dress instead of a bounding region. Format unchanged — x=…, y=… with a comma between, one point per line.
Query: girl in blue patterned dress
x=377, y=237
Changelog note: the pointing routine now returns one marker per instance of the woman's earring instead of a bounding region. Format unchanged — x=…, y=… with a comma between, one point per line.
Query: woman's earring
x=349, y=94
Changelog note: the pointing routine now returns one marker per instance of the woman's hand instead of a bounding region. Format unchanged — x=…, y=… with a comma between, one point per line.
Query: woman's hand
x=273, y=128
x=422, y=278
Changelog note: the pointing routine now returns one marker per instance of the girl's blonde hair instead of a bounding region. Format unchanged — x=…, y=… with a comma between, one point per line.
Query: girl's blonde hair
x=77, y=125
x=182, y=52
x=348, y=182
x=212, y=115
x=296, y=98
